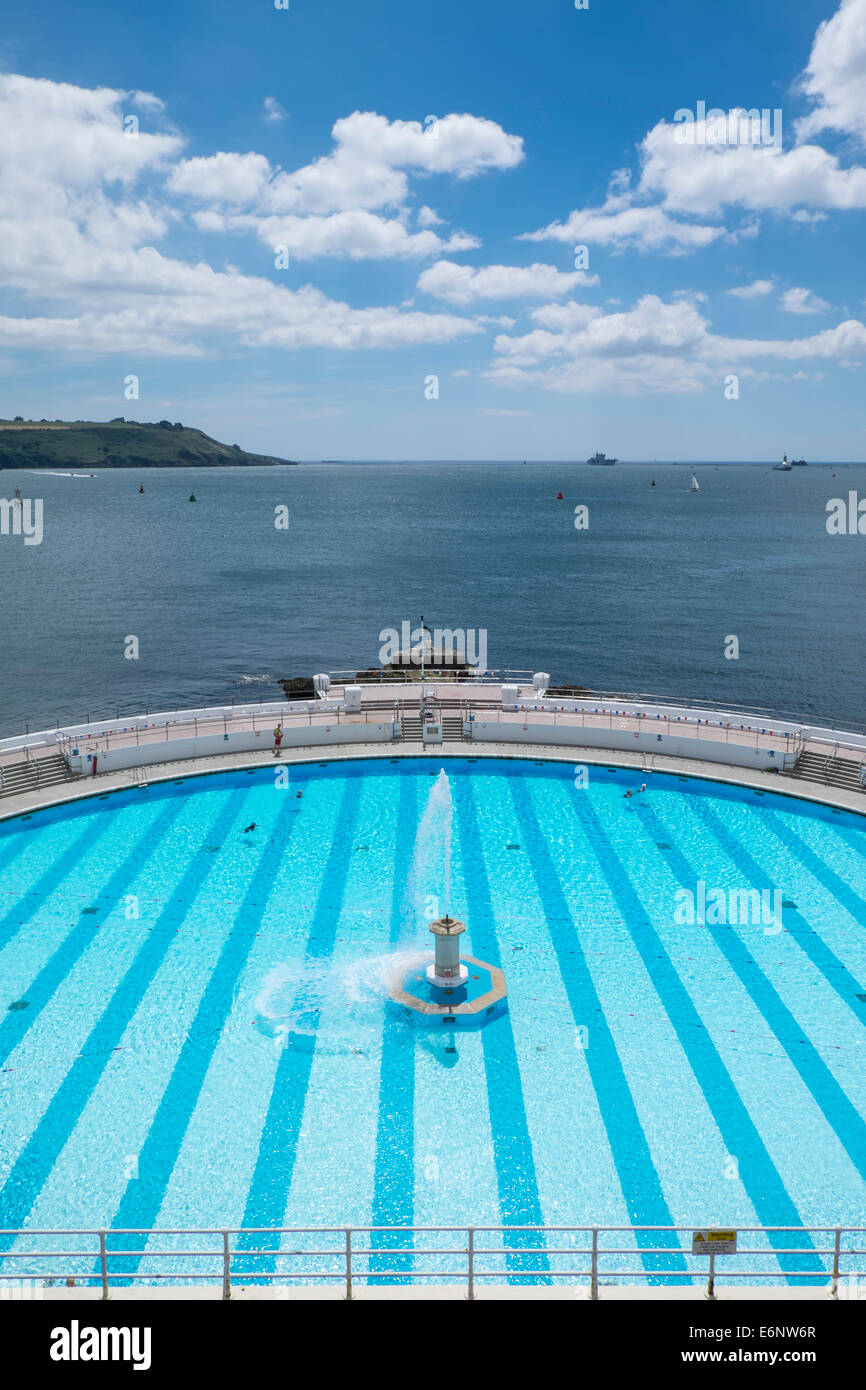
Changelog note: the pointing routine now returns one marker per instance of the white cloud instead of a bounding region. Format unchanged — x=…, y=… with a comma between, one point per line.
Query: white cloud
x=619, y=223
x=702, y=169
x=52, y=130
x=273, y=111
x=73, y=234
x=701, y=180
x=801, y=301
x=205, y=303
x=463, y=284
x=756, y=290
x=427, y=218
x=654, y=346
x=335, y=206
x=368, y=168
x=355, y=235
x=835, y=76
x=222, y=178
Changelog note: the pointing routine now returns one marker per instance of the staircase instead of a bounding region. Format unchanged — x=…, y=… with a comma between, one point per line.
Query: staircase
x=33, y=773
x=830, y=771
x=452, y=729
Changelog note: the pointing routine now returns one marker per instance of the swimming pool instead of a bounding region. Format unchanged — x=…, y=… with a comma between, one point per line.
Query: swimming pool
x=195, y=1031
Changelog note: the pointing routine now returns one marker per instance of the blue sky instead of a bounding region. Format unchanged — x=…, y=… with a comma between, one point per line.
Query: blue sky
x=429, y=171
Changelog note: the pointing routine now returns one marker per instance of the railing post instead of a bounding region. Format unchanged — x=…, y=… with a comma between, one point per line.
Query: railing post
x=227, y=1267
x=471, y=1264
x=593, y=1281
x=103, y=1264
x=348, y=1262
x=834, y=1287
x=711, y=1282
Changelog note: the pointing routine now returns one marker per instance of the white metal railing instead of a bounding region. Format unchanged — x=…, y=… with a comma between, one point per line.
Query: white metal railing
x=193, y=721
x=453, y=674
x=472, y=1256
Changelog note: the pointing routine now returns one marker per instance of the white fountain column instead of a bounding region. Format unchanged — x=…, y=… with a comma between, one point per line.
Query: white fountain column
x=446, y=969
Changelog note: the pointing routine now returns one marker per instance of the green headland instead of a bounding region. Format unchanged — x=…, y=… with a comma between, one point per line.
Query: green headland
x=117, y=443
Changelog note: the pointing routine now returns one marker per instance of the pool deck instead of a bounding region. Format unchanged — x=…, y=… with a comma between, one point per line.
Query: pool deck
x=618, y=1293
x=161, y=730
x=123, y=780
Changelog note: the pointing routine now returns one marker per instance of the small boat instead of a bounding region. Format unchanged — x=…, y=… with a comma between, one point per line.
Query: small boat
x=653, y=483
x=694, y=485
x=559, y=497
x=141, y=489
x=784, y=466
x=601, y=459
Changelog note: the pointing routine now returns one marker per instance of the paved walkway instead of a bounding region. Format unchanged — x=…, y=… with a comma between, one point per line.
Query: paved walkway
x=763, y=736
x=199, y=767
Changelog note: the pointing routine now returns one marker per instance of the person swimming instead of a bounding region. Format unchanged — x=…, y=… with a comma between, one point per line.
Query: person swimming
x=248, y=828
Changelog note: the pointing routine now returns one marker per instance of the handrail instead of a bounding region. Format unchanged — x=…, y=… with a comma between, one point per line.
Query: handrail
x=395, y=1255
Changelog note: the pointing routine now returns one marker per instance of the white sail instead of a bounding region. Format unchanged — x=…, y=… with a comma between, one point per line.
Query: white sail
x=695, y=485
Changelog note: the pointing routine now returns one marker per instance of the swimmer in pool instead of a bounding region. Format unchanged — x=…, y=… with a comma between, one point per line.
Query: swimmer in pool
x=248, y=828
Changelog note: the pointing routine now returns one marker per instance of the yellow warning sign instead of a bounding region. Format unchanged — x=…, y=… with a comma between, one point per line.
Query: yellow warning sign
x=714, y=1241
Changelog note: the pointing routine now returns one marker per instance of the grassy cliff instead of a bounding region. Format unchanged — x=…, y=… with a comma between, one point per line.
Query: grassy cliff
x=117, y=444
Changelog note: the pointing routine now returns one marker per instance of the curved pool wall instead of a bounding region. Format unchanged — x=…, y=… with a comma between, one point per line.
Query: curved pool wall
x=189, y=1036
x=490, y=714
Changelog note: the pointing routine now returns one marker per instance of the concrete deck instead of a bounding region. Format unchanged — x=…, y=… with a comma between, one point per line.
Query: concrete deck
x=160, y=733
x=519, y=1293
x=69, y=792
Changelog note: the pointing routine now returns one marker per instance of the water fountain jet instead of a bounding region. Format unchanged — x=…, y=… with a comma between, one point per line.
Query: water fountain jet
x=460, y=991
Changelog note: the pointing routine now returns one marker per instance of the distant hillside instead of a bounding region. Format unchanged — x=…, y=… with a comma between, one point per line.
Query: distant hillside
x=118, y=444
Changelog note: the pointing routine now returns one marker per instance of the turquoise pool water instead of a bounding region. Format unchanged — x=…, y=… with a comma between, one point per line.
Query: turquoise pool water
x=194, y=1029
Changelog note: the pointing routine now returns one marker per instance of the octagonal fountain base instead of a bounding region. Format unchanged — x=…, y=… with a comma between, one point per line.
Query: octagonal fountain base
x=464, y=1003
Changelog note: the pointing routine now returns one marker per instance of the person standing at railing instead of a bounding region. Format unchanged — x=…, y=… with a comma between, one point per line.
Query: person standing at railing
x=278, y=739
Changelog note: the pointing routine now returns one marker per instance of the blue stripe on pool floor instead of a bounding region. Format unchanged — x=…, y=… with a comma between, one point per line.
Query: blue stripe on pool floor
x=14, y=1026
x=758, y=1173
x=829, y=1096
x=29, y=1173
x=394, y=1181
x=519, y=1202
x=272, y=1176
x=140, y=1205
x=51, y=880
x=641, y=1187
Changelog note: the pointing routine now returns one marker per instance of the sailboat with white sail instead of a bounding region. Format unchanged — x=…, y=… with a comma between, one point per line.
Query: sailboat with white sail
x=694, y=485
